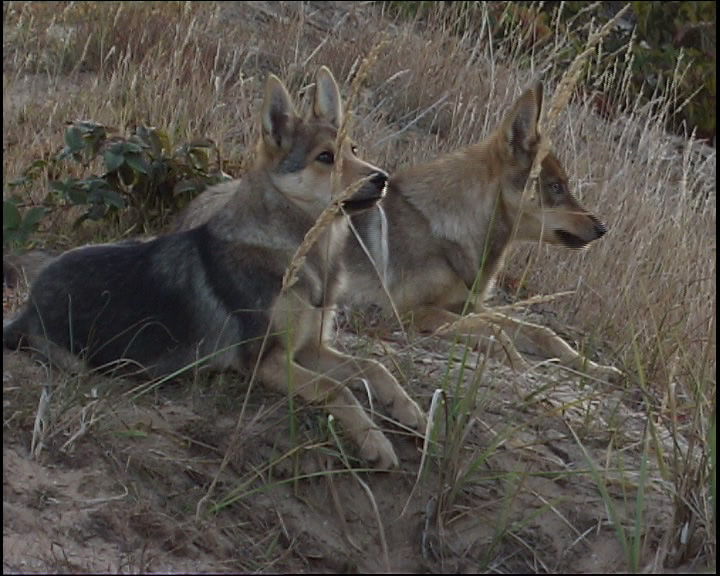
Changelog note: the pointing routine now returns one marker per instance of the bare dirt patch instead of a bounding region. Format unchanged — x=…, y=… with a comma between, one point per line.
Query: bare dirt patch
x=122, y=495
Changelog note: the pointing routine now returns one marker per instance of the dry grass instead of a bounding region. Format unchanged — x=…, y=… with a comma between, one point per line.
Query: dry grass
x=646, y=292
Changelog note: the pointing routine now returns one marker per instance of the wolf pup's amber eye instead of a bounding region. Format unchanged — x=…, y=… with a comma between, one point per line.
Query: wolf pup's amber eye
x=326, y=157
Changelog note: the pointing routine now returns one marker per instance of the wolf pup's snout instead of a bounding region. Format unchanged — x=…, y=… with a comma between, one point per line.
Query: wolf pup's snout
x=370, y=193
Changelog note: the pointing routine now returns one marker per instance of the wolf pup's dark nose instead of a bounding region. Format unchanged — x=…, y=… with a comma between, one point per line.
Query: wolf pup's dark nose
x=379, y=180
x=369, y=195
x=600, y=228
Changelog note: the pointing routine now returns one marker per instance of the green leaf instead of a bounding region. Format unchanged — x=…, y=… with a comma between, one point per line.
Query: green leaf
x=73, y=139
x=94, y=188
x=112, y=160
x=89, y=127
x=143, y=134
x=184, y=187
x=14, y=237
x=76, y=195
x=33, y=217
x=135, y=145
x=36, y=167
x=137, y=163
x=199, y=159
x=60, y=186
x=11, y=216
x=64, y=187
x=159, y=142
x=112, y=198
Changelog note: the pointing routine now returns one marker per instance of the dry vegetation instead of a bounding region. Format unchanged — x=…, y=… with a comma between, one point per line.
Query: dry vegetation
x=546, y=471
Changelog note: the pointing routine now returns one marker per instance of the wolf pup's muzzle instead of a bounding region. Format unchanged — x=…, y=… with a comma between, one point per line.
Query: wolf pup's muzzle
x=575, y=242
x=370, y=194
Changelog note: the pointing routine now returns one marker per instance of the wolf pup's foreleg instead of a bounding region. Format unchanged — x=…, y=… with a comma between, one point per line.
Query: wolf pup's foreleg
x=336, y=398
x=513, y=333
x=342, y=367
x=542, y=340
x=448, y=325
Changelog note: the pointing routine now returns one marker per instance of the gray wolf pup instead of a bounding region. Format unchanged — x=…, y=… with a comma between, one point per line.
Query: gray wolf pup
x=215, y=291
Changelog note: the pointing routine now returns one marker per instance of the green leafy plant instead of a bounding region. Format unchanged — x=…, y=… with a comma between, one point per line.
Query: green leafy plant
x=672, y=29
x=672, y=43
x=18, y=227
x=144, y=171
x=142, y=175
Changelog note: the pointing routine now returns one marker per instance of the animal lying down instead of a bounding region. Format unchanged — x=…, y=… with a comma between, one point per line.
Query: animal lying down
x=215, y=291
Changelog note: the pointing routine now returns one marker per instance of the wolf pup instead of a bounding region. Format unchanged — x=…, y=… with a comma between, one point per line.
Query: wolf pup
x=450, y=223
x=215, y=292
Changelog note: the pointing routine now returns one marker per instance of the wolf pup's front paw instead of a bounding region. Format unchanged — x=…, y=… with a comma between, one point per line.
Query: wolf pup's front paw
x=406, y=411
x=378, y=450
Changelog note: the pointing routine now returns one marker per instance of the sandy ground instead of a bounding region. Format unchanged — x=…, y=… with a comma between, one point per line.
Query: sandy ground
x=117, y=480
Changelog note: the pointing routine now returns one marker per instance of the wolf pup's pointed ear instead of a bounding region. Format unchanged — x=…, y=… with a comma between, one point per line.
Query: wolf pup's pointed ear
x=327, y=105
x=278, y=114
x=520, y=125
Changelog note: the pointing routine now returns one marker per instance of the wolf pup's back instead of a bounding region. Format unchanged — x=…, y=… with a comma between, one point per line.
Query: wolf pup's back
x=159, y=304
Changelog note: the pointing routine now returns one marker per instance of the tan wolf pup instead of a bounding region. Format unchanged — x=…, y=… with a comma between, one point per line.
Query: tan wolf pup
x=450, y=223
x=215, y=291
